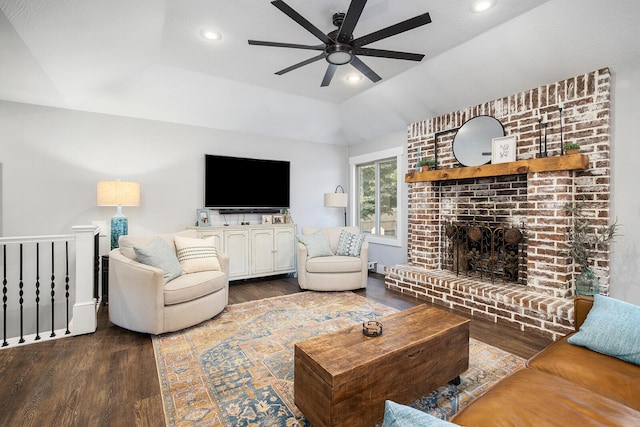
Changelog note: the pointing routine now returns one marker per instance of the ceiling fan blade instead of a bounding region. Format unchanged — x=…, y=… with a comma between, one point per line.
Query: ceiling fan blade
x=328, y=75
x=292, y=45
x=302, y=21
x=350, y=20
x=392, y=30
x=364, y=69
x=301, y=64
x=380, y=53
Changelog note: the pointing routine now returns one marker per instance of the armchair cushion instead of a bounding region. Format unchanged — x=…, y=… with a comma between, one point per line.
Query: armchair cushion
x=193, y=286
x=197, y=255
x=158, y=254
x=317, y=244
x=349, y=244
x=334, y=264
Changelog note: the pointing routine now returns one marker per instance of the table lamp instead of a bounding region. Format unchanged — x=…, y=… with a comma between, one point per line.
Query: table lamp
x=118, y=193
x=337, y=200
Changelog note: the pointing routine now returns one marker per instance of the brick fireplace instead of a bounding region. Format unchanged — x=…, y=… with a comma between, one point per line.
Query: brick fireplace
x=531, y=198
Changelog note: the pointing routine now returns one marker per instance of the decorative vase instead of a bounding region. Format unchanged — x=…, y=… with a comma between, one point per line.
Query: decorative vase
x=587, y=283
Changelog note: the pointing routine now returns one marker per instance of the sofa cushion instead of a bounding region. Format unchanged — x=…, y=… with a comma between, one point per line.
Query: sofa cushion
x=160, y=255
x=317, y=244
x=334, y=264
x=349, y=244
x=611, y=328
x=397, y=415
x=192, y=286
x=609, y=376
x=197, y=255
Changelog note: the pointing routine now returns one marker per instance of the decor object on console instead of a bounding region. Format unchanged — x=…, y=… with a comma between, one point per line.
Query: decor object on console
x=584, y=240
x=140, y=299
x=331, y=269
x=337, y=200
x=203, y=217
x=472, y=142
x=118, y=193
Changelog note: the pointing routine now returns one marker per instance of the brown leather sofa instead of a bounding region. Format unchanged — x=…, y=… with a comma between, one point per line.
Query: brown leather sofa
x=563, y=385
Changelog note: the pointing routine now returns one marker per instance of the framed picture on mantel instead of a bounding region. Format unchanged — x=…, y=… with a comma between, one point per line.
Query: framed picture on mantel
x=503, y=149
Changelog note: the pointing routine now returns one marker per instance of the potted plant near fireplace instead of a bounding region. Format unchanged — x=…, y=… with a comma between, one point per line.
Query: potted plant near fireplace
x=572, y=148
x=584, y=241
x=425, y=164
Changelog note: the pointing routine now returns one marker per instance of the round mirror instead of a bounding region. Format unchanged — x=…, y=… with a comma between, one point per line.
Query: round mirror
x=472, y=143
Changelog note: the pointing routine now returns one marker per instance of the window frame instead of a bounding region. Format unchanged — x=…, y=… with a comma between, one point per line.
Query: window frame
x=356, y=161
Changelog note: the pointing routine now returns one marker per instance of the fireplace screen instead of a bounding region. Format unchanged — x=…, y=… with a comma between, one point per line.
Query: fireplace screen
x=480, y=250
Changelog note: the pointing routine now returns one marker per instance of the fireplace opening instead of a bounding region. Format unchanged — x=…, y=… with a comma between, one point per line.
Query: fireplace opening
x=485, y=251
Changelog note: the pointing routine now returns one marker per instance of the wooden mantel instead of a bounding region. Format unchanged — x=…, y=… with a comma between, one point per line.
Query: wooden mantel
x=546, y=164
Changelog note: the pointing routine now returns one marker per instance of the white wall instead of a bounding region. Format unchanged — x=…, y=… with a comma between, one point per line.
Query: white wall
x=52, y=159
x=625, y=265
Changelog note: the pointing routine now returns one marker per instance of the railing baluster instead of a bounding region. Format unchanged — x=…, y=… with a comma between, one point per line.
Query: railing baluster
x=66, y=282
x=37, y=291
x=4, y=295
x=53, y=291
x=21, y=300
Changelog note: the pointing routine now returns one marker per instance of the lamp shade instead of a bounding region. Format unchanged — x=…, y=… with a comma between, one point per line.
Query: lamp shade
x=118, y=193
x=335, y=200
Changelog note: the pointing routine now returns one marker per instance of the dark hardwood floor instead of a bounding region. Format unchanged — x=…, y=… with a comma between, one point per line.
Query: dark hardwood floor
x=109, y=378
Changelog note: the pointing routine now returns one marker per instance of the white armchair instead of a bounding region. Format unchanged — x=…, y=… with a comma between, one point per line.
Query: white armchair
x=332, y=272
x=140, y=300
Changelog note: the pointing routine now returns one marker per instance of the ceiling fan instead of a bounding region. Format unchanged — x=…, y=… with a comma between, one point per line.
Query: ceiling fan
x=339, y=47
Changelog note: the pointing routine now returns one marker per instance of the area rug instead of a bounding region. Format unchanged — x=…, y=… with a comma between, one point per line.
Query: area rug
x=237, y=368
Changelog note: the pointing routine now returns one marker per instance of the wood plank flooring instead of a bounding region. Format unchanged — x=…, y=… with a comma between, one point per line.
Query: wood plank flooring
x=109, y=378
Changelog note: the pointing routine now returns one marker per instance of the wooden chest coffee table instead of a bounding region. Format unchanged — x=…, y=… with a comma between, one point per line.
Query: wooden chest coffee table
x=343, y=378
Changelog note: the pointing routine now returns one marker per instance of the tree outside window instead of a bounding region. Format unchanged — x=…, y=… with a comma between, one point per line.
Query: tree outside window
x=378, y=197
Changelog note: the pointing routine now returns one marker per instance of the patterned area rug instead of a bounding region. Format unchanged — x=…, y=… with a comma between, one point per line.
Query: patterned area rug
x=237, y=368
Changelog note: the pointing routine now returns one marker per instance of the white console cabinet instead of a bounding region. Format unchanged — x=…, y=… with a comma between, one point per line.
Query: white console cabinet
x=255, y=250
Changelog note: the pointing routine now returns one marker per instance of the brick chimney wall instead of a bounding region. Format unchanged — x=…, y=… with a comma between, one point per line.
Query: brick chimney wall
x=534, y=201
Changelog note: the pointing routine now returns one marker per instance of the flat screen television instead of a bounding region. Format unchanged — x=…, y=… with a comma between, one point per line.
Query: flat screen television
x=245, y=185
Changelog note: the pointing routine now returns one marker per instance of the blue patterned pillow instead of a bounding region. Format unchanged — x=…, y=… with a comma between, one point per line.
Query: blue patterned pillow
x=396, y=415
x=349, y=244
x=611, y=328
x=317, y=244
x=160, y=255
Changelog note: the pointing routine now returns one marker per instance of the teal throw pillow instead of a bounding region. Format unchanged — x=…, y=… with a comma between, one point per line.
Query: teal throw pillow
x=396, y=415
x=317, y=244
x=160, y=255
x=611, y=328
x=350, y=244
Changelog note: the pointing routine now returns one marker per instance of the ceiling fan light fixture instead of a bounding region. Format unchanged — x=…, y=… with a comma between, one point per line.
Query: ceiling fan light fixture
x=339, y=54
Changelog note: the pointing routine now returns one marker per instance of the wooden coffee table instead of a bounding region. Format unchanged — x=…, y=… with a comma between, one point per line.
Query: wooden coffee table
x=343, y=378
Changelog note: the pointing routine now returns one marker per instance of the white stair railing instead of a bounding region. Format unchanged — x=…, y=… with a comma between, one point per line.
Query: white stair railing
x=48, y=286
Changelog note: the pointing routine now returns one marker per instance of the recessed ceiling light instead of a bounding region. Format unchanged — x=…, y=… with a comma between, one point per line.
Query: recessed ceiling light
x=210, y=34
x=353, y=78
x=482, y=5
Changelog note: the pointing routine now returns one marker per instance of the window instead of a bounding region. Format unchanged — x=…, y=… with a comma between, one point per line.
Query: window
x=376, y=195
